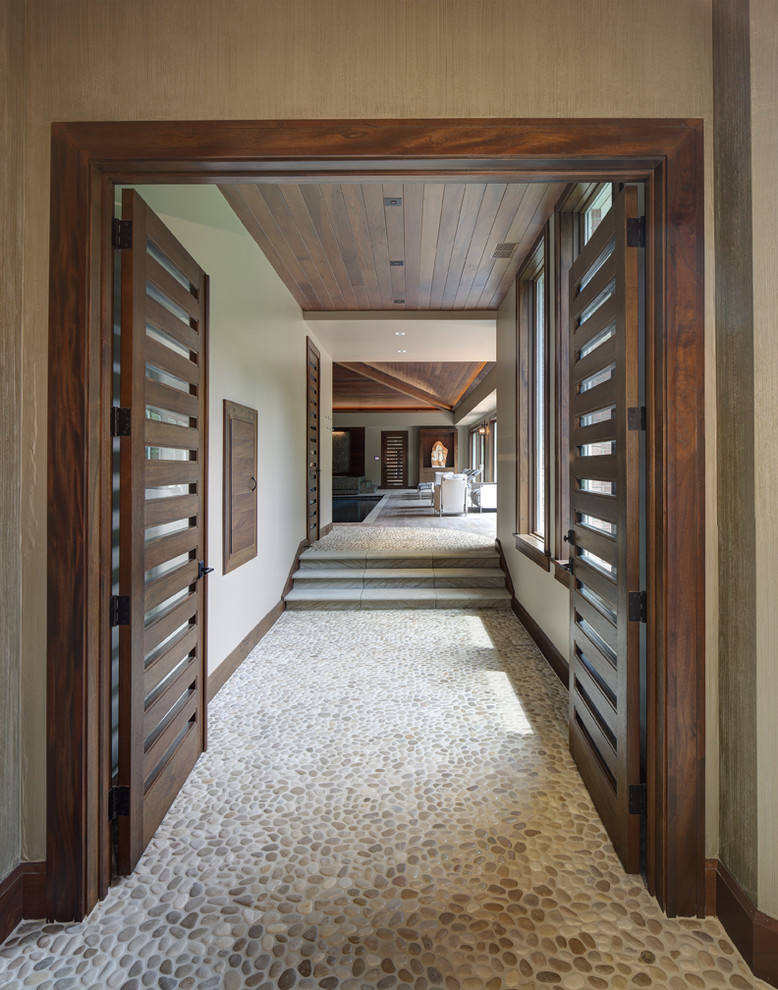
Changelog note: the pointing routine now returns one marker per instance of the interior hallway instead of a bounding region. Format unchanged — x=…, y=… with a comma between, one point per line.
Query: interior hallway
x=387, y=803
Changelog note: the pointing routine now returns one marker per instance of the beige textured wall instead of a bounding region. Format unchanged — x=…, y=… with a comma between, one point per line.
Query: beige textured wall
x=764, y=152
x=12, y=17
x=257, y=357
x=179, y=59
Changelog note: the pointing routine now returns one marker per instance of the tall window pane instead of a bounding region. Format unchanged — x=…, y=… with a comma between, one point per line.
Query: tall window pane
x=539, y=458
x=597, y=211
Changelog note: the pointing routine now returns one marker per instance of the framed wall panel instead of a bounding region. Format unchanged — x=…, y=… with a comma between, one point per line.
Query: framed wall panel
x=239, y=509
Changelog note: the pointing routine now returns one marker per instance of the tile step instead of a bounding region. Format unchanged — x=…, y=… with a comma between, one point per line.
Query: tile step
x=409, y=577
x=398, y=559
x=376, y=598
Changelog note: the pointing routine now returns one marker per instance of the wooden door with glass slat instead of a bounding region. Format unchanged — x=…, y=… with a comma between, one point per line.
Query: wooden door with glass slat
x=313, y=440
x=163, y=464
x=394, y=458
x=605, y=513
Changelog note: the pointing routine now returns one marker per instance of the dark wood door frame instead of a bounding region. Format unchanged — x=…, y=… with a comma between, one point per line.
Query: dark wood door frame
x=312, y=440
x=88, y=159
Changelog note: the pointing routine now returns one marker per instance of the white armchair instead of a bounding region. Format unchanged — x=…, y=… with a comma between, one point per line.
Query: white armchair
x=450, y=496
x=483, y=495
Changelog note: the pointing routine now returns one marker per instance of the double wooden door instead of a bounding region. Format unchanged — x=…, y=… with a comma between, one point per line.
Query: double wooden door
x=606, y=603
x=161, y=607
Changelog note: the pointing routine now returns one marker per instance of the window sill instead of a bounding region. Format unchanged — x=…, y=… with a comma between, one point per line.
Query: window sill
x=561, y=572
x=533, y=548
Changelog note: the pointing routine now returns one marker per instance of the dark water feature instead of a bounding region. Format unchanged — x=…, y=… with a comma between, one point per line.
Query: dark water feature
x=352, y=508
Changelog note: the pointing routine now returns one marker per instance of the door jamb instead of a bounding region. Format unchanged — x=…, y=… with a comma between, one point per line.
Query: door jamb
x=88, y=159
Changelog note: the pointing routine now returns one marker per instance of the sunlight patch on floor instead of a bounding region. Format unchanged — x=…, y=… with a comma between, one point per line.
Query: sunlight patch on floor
x=509, y=708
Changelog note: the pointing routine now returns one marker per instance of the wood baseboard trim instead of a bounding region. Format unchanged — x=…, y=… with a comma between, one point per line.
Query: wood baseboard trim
x=22, y=895
x=504, y=566
x=555, y=659
x=230, y=664
x=325, y=530
x=303, y=545
x=753, y=932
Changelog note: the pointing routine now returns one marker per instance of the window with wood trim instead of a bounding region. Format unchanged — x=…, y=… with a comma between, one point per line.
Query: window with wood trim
x=533, y=420
x=483, y=448
x=240, y=485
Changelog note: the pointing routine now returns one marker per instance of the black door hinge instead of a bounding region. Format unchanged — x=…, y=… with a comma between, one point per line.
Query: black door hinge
x=638, y=606
x=637, y=799
x=121, y=234
x=121, y=421
x=636, y=232
x=118, y=802
x=636, y=418
x=120, y=610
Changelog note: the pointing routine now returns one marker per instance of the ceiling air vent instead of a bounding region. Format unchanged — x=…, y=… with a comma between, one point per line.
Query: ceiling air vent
x=504, y=250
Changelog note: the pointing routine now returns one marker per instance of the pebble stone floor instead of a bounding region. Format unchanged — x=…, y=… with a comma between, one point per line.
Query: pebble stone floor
x=387, y=803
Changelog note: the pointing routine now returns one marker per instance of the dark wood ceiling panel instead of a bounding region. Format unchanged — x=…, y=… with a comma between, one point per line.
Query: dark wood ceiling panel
x=355, y=208
x=350, y=390
x=412, y=201
x=432, y=205
x=375, y=373
x=448, y=380
x=287, y=224
x=331, y=196
x=525, y=230
x=338, y=254
x=405, y=384
x=373, y=196
x=471, y=206
x=487, y=211
x=333, y=244
x=510, y=205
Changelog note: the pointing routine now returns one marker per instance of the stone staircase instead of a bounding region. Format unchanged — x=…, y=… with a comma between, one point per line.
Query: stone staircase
x=364, y=579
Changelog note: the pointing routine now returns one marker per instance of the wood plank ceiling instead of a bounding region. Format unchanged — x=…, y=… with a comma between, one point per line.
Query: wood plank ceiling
x=405, y=385
x=395, y=246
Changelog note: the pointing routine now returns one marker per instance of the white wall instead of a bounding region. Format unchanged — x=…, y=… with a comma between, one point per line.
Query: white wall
x=542, y=596
x=375, y=422
x=257, y=358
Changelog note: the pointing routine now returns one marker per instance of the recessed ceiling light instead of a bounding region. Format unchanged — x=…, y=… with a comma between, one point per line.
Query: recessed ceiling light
x=399, y=300
x=396, y=264
x=399, y=333
x=393, y=201
x=402, y=352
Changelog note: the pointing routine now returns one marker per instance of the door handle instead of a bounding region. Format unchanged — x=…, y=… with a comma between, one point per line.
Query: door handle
x=569, y=537
x=253, y=481
x=202, y=570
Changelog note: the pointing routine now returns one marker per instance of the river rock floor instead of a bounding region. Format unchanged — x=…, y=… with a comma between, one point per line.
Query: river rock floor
x=387, y=803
